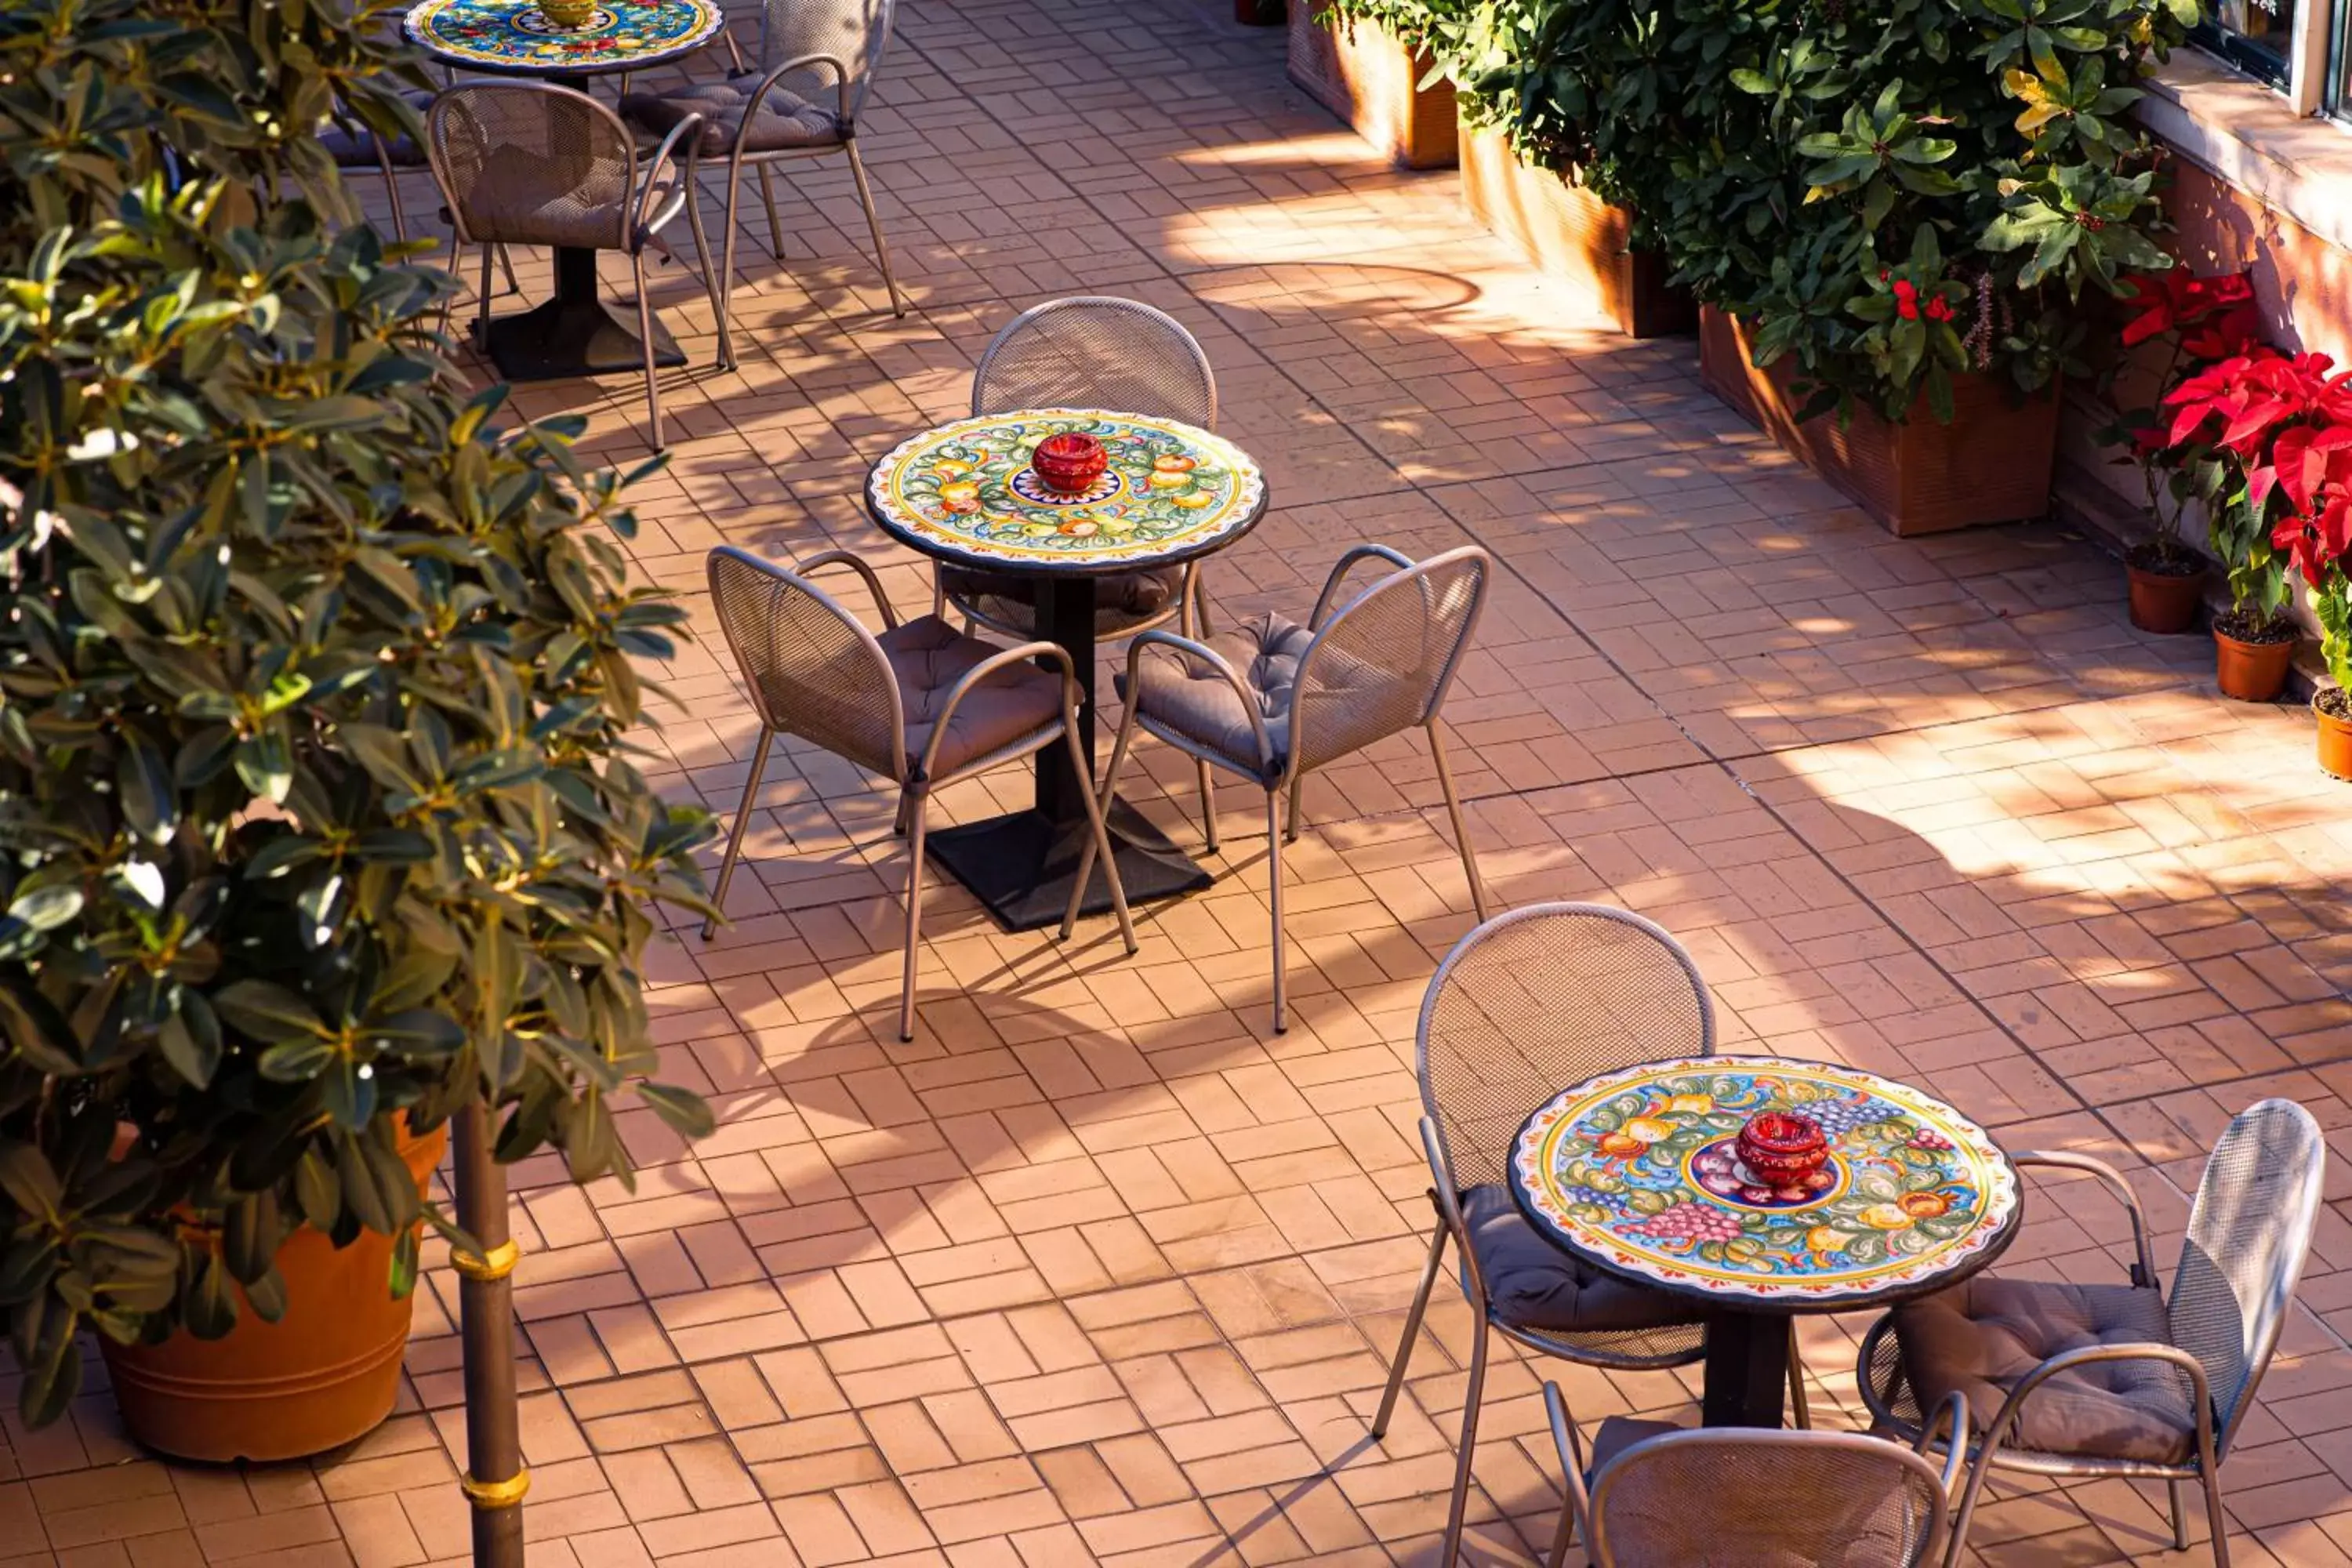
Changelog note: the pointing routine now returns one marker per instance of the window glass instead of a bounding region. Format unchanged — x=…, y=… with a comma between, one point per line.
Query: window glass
x=2254, y=34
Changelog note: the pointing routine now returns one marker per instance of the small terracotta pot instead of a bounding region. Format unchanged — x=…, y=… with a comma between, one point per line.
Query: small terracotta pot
x=2251, y=671
x=2335, y=741
x=2163, y=602
x=325, y=1373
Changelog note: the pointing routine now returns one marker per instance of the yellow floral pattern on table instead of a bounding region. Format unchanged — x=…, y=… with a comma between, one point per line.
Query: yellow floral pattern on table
x=1170, y=490
x=516, y=35
x=1639, y=1171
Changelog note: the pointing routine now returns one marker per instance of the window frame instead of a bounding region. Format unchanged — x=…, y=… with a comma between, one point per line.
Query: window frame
x=2315, y=77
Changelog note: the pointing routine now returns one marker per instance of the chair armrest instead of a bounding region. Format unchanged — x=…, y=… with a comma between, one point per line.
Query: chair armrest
x=859, y=565
x=981, y=671
x=1215, y=660
x=1448, y=1199
x=1571, y=1461
x=2143, y=1271
x=1339, y=573
x=1952, y=1408
x=768, y=84
x=2088, y=1355
x=672, y=194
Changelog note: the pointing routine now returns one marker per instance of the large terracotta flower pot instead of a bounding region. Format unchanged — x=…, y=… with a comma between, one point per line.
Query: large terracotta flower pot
x=2251, y=671
x=1991, y=464
x=323, y=1374
x=1571, y=235
x=1363, y=74
x=2335, y=716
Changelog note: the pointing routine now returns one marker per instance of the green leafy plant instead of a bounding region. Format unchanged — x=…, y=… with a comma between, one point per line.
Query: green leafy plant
x=1784, y=154
x=313, y=687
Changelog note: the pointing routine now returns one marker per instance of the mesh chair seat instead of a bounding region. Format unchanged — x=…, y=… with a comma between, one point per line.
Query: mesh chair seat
x=927, y=656
x=783, y=121
x=1982, y=1337
x=1532, y=1284
x=1124, y=601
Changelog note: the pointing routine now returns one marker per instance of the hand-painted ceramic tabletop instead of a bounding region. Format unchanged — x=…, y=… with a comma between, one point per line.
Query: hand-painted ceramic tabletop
x=516, y=37
x=965, y=491
x=1636, y=1171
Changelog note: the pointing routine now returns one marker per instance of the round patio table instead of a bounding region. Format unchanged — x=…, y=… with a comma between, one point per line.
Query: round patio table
x=573, y=334
x=965, y=494
x=1635, y=1171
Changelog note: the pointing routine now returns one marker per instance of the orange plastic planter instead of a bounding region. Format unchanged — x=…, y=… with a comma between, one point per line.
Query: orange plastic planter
x=322, y=1375
x=2334, y=736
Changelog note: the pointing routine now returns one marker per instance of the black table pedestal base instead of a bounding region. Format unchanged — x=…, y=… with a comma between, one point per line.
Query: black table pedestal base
x=1020, y=866
x=1747, y=1370
x=573, y=334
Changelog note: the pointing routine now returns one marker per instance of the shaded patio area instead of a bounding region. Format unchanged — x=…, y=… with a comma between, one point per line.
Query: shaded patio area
x=1100, y=1269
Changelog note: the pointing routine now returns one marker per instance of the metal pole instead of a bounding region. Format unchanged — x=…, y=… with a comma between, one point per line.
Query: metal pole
x=495, y=1481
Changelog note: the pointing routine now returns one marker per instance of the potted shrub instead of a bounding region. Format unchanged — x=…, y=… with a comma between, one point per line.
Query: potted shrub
x=1367, y=62
x=313, y=685
x=1896, y=218
x=1539, y=168
x=2310, y=468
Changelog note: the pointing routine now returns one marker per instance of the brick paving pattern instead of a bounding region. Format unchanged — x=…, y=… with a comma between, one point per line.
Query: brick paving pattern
x=1098, y=1270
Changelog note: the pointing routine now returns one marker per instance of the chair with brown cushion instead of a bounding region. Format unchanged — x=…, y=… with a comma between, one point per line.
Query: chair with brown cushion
x=817, y=62
x=1529, y=1003
x=919, y=703
x=358, y=148
x=2122, y=1380
x=1653, y=1494
x=529, y=163
x=1088, y=352
x=1273, y=700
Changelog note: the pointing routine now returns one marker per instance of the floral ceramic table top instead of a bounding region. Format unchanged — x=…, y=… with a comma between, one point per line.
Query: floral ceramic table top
x=1637, y=1171
x=966, y=491
x=517, y=36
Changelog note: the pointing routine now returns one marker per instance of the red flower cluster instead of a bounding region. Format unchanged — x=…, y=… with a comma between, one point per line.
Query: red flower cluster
x=1906, y=298
x=2220, y=308
x=2288, y=421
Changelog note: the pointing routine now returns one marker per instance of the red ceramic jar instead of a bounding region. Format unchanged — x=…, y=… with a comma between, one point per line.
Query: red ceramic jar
x=1781, y=1148
x=1069, y=462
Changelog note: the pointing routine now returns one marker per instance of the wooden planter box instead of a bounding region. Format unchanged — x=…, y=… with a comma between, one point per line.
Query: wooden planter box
x=1991, y=464
x=1571, y=235
x=1365, y=76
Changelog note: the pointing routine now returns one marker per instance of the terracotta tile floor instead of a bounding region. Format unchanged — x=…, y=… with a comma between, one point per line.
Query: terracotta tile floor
x=1100, y=1269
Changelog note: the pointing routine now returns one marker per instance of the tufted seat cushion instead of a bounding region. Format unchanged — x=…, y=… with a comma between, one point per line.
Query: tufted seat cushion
x=784, y=120
x=1982, y=1337
x=1188, y=696
x=352, y=146
x=927, y=656
x=1534, y=1285
x=1123, y=600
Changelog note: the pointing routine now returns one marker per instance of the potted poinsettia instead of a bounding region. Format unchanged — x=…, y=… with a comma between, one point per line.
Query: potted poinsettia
x=2183, y=462
x=2266, y=437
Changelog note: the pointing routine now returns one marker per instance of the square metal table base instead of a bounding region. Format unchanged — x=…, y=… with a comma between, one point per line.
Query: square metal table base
x=573, y=334
x=1019, y=866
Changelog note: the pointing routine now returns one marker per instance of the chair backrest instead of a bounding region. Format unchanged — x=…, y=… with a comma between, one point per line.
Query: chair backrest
x=2249, y=1234
x=1096, y=352
x=1383, y=663
x=529, y=163
x=855, y=32
x=1736, y=1498
x=1538, y=1000
x=812, y=669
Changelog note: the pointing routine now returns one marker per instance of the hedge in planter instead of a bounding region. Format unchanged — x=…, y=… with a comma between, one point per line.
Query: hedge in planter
x=1364, y=60
x=312, y=688
x=1891, y=195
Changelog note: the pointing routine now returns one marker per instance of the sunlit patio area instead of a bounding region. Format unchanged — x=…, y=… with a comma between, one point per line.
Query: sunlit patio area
x=1100, y=1267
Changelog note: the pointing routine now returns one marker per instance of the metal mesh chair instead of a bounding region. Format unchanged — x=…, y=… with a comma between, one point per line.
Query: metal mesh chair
x=1529, y=1003
x=1088, y=352
x=357, y=148
x=1273, y=700
x=2119, y=1380
x=817, y=61
x=1745, y=1498
x=921, y=704
x=527, y=162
